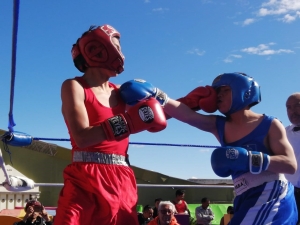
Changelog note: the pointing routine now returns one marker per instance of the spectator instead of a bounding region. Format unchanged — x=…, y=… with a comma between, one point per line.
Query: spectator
x=35, y=214
x=203, y=213
x=293, y=135
x=180, y=205
x=146, y=216
x=156, y=203
x=229, y=211
x=166, y=210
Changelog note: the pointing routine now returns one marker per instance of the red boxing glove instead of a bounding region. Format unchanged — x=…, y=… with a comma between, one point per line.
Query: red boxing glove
x=204, y=98
x=145, y=115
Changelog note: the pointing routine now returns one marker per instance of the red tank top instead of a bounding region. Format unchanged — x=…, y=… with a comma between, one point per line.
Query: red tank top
x=180, y=208
x=98, y=113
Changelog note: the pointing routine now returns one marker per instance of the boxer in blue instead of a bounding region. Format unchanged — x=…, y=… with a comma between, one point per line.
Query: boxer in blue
x=255, y=151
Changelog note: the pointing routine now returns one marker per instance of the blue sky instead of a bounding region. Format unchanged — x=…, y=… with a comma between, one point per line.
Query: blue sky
x=175, y=45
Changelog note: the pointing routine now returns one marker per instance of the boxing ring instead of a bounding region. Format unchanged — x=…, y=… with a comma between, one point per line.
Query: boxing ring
x=20, y=139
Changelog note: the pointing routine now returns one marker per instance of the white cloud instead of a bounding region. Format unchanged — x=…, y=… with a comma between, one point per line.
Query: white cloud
x=264, y=49
x=236, y=56
x=288, y=10
x=248, y=21
x=288, y=18
x=196, y=51
x=229, y=59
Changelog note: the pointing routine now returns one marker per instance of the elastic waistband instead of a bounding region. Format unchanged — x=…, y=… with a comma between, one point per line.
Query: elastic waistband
x=249, y=180
x=99, y=157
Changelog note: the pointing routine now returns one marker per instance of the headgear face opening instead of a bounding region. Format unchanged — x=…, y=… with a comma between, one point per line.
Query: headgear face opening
x=96, y=49
x=245, y=90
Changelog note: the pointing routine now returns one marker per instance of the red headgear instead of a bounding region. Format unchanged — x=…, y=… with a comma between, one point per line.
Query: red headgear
x=96, y=49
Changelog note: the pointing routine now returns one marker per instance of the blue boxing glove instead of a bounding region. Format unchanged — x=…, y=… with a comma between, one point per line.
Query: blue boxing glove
x=235, y=161
x=137, y=90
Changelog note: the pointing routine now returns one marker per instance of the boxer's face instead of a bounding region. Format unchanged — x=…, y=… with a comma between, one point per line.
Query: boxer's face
x=116, y=43
x=293, y=109
x=103, y=71
x=224, y=98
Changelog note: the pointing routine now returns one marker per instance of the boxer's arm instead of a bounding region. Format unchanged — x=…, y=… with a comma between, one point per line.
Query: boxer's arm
x=183, y=113
x=283, y=159
x=75, y=114
x=137, y=90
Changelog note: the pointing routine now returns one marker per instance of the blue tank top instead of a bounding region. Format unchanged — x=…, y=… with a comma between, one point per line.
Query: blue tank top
x=253, y=141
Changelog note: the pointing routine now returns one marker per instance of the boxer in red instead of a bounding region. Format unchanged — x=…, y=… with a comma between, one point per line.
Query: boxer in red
x=99, y=186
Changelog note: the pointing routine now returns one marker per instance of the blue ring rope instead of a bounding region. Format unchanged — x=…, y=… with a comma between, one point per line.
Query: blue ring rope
x=11, y=122
x=136, y=143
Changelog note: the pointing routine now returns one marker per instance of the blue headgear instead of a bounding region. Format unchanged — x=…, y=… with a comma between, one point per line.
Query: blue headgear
x=245, y=90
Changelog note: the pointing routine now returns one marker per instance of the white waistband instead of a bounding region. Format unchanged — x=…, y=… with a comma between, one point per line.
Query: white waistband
x=249, y=180
x=99, y=157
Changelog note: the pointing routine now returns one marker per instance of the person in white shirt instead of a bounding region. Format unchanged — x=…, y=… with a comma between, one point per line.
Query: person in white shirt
x=203, y=213
x=293, y=135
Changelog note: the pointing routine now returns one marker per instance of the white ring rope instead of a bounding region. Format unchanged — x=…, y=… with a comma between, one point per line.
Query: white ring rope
x=148, y=185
